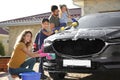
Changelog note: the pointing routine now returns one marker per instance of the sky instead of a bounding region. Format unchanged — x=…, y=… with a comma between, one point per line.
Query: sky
x=11, y=9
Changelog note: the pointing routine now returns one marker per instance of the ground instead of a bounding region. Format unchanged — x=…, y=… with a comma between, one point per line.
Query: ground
x=75, y=76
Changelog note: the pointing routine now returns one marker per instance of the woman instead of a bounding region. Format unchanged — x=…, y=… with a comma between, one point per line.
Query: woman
x=17, y=63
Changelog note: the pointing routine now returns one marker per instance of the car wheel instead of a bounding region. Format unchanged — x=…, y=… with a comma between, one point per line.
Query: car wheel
x=57, y=76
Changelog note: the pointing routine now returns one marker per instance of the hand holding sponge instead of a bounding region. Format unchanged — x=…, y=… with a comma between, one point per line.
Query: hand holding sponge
x=42, y=54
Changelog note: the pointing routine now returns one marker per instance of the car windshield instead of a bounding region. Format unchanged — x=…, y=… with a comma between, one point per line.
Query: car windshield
x=100, y=20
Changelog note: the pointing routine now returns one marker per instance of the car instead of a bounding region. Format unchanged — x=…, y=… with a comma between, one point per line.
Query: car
x=91, y=46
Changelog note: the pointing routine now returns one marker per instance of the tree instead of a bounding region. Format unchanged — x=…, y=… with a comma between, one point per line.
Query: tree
x=2, y=50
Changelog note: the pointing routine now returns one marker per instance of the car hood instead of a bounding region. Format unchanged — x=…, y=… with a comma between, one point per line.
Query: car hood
x=75, y=34
x=103, y=34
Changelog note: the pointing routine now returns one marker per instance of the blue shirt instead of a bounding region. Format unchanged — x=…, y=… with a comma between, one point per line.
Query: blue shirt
x=64, y=18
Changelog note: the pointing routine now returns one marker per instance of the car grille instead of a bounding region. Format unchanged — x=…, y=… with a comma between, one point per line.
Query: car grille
x=80, y=47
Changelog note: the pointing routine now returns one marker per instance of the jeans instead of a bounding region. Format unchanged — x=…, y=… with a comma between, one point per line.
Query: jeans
x=41, y=70
x=27, y=66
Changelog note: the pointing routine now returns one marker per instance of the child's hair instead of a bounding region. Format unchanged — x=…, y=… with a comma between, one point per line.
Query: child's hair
x=61, y=6
x=53, y=8
x=20, y=38
x=45, y=20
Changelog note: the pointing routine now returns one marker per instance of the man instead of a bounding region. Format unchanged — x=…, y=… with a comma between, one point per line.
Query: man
x=41, y=35
x=54, y=18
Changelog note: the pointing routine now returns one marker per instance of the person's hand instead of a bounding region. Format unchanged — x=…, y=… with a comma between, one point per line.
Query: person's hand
x=51, y=32
x=48, y=57
x=40, y=51
x=44, y=54
x=69, y=16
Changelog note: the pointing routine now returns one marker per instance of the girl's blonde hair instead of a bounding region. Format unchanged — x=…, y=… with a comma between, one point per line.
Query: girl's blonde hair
x=20, y=38
x=61, y=6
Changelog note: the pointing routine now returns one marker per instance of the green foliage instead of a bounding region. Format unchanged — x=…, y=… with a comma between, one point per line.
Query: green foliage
x=2, y=51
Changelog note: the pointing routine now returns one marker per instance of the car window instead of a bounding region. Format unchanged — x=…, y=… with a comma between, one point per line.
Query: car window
x=100, y=20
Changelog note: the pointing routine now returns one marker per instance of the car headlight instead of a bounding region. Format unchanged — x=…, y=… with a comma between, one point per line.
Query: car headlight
x=47, y=43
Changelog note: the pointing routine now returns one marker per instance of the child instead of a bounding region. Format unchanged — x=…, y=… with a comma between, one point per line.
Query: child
x=41, y=35
x=17, y=63
x=64, y=15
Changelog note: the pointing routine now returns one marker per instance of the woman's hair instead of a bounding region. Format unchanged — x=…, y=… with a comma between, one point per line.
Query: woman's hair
x=20, y=38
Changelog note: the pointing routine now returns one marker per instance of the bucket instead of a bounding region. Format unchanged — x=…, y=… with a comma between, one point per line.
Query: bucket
x=30, y=76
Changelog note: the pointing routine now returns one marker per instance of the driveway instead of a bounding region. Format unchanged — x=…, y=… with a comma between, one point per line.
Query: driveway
x=75, y=76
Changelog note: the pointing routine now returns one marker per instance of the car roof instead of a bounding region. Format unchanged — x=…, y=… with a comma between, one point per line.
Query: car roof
x=112, y=14
x=100, y=19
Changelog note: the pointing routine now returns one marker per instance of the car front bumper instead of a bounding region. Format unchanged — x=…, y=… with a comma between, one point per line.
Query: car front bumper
x=52, y=66
x=96, y=66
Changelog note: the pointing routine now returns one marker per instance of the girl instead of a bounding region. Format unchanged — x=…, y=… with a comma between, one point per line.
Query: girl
x=64, y=15
x=17, y=63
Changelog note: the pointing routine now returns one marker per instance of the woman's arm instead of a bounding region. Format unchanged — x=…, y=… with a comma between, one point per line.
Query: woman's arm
x=36, y=54
x=31, y=54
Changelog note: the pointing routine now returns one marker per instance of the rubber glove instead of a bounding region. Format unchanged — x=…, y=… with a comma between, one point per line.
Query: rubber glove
x=74, y=20
x=44, y=55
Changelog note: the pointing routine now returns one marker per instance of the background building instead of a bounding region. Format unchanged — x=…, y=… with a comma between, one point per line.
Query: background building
x=4, y=39
x=95, y=6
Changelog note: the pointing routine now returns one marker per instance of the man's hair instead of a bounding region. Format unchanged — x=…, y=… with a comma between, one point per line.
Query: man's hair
x=45, y=20
x=53, y=8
